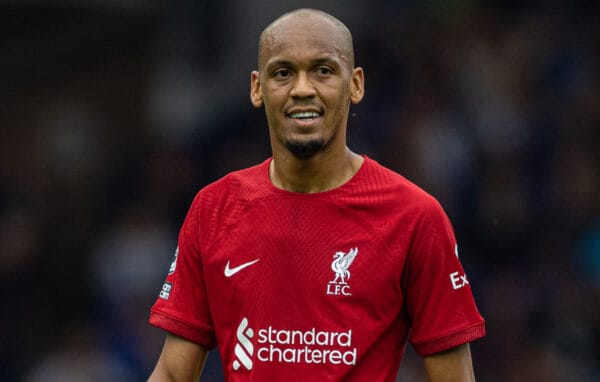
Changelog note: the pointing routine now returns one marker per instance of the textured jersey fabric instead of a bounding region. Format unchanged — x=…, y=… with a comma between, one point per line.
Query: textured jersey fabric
x=327, y=286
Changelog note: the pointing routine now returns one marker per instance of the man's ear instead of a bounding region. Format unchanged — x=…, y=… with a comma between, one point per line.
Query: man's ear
x=357, y=85
x=255, y=90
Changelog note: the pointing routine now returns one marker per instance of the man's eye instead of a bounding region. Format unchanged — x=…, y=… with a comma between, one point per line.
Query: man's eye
x=324, y=71
x=282, y=73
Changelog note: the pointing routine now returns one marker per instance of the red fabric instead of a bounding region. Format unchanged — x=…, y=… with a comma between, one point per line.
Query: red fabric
x=289, y=315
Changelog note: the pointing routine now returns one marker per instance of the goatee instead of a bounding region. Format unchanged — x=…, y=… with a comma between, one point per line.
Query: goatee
x=306, y=149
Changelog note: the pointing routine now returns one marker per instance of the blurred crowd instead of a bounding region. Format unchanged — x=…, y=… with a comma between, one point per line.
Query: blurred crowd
x=114, y=114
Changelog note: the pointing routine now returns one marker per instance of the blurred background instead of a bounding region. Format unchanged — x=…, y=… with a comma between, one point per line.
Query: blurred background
x=114, y=113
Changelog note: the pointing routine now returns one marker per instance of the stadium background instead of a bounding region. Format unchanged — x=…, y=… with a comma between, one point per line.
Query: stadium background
x=114, y=113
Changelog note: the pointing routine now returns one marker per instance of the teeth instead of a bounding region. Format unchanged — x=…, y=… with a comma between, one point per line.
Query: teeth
x=305, y=114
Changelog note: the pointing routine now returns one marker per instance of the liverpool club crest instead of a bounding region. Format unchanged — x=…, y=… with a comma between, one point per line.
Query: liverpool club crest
x=340, y=266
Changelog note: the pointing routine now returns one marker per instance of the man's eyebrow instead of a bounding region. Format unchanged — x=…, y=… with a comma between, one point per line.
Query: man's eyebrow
x=278, y=64
x=325, y=60
x=288, y=64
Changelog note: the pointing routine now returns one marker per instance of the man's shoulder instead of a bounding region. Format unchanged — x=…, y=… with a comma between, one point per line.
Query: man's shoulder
x=395, y=189
x=386, y=178
x=240, y=184
x=247, y=177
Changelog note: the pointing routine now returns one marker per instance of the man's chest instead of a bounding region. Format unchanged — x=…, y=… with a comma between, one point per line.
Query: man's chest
x=302, y=259
x=304, y=284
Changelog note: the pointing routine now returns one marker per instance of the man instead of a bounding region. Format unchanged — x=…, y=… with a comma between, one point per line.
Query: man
x=317, y=264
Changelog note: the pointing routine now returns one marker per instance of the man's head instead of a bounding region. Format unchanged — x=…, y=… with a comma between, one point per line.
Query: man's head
x=306, y=80
x=307, y=18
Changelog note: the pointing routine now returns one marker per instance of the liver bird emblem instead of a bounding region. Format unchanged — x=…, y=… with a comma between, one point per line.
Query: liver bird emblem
x=341, y=263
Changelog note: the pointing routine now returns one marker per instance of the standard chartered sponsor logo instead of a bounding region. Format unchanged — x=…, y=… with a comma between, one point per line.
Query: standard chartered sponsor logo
x=243, y=348
x=294, y=346
x=311, y=346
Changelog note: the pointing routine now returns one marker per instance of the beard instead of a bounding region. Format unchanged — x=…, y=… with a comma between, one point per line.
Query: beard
x=305, y=149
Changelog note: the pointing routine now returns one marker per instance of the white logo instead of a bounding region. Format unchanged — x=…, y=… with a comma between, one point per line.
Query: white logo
x=174, y=262
x=232, y=271
x=293, y=346
x=341, y=263
x=165, y=291
x=243, y=348
x=458, y=281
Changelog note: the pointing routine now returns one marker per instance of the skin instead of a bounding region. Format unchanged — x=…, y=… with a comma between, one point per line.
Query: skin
x=453, y=365
x=179, y=361
x=306, y=64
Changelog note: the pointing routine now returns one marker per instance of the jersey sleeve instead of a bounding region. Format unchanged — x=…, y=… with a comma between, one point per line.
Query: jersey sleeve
x=438, y=294
x=182, y=305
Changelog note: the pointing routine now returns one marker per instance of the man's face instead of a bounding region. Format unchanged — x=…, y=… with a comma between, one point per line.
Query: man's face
x=306, y=84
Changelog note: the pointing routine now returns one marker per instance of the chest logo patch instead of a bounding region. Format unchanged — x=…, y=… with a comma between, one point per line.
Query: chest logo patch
x=340, y=266
x=232, y=271
x=266, y=345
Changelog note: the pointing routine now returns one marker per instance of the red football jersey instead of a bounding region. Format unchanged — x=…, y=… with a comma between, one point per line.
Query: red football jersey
x=327, y=286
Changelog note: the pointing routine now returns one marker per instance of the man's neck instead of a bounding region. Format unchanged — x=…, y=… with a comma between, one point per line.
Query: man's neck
x=318, y=173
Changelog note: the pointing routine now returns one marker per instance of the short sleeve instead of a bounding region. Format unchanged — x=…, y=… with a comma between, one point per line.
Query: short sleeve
x=438, y=294
x=182, y=305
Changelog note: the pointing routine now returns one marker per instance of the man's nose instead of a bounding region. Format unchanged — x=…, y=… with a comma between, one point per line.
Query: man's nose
x=303, y=86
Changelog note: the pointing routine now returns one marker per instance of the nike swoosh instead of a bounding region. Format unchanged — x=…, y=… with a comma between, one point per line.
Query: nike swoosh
x=232, y=271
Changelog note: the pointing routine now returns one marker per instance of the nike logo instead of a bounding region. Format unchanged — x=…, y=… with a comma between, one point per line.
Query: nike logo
x=232, y=271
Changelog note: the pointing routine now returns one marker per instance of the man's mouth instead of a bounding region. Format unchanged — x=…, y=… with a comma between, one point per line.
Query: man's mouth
x=304, y=115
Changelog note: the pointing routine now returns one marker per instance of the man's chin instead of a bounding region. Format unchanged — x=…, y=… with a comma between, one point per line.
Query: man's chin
x=305, y=149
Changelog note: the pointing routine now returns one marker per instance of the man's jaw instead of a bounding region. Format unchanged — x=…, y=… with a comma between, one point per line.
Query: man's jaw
x=304, y=149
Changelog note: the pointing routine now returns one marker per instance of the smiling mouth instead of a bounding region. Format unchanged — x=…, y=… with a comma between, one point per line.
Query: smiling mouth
x=305, y=116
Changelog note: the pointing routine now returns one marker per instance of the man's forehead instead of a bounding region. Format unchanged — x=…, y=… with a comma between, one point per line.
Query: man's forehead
x=308, y=30
x=315, y=30
x=308, y=52
x=303, y=40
